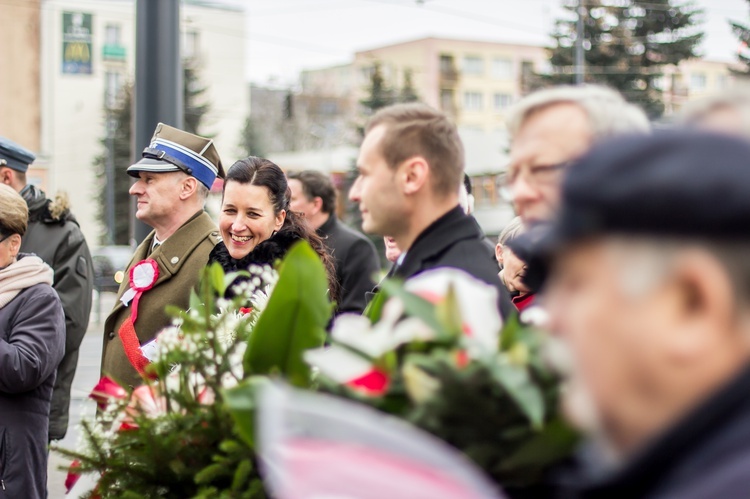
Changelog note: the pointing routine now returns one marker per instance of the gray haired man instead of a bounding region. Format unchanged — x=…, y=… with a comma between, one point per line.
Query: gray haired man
x=552, y=127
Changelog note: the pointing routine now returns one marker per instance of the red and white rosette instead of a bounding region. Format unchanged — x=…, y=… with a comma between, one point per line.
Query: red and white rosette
x=143, y=276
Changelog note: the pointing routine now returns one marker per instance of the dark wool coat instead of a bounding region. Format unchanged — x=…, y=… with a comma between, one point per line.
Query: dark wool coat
x=32, y=342
x=54, y=236
x=266, y=253
x=455, y=240
x=180, y=258
x=705, y=455
x=356, y=262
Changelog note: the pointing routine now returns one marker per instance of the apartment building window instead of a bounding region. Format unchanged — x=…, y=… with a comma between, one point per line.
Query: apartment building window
x=502, y=69
x=473, y=65
x=502, y=101
x=112, y=34
x=446, y=100
x=112, y=86
x=446, y=64
x=190, y=46
x=486, y=189
x=698, y=81
x=473, y=101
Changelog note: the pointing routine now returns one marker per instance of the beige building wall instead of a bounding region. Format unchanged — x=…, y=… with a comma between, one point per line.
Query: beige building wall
x=694, y=79
x=73, y=105
x=19, y=72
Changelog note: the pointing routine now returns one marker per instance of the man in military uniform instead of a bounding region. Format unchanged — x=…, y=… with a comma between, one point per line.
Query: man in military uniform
x=174, y=178
x=54, y=236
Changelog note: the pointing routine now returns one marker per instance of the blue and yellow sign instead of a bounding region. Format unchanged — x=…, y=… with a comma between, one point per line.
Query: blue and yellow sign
x=77, y=43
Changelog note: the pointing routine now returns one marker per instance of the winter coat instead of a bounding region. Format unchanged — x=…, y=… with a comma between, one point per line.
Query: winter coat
x=705, y=455
x=455, y=240
x=356, y=262
x=32, y=343
x=181, y=259
x=265, y=253
x=54, y=236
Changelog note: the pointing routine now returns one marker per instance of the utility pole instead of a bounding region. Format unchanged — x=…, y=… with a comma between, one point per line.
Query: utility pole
x=158, y=76
x=580, y=60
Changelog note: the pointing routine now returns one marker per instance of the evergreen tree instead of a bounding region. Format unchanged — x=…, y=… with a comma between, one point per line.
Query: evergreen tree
x=742, y=31
x=251, y=142
x=626, y=45
x=121, y=120
x=408, y=92
x=380, y=94
x=120, y=117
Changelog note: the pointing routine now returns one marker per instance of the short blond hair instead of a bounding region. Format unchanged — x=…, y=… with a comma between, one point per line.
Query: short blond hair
x=14, y=214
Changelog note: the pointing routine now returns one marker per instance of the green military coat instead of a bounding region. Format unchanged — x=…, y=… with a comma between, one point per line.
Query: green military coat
x=180, y=259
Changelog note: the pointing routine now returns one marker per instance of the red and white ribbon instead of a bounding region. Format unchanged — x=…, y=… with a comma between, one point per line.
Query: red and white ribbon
x=143, y=276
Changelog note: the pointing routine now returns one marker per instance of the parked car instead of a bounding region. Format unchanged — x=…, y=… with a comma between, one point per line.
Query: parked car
x=110, y=263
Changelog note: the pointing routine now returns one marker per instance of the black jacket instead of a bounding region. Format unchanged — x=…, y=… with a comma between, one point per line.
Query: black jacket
x=54, y=236
x=455, y=240
x=356, y=262
x=706, y=455
x=266, y=253
x=32, y=340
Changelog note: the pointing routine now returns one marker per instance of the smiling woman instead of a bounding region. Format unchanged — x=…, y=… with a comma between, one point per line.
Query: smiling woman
x=256, y=224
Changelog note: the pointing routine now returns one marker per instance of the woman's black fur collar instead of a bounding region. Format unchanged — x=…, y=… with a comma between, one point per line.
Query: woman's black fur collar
x=265, y=253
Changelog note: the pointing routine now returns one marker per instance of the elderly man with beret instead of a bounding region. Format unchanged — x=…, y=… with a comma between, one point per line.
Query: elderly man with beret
x=173, y=180
x=649, y=287
x=54, y=236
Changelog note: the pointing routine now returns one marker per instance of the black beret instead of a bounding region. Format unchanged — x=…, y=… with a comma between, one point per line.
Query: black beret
x=15, y=156
x=686, y=183
x=680, y=184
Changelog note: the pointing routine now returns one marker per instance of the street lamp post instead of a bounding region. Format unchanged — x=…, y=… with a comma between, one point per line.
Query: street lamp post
x=158, y=76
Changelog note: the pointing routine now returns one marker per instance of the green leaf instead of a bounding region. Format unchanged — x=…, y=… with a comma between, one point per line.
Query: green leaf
x=554, y=442
x=210, y=473
x=240, y=400
x=215, y=275
x=449, y=314
x=519, y=385
x=375, y=308
x=294, y=319
x=414, y=306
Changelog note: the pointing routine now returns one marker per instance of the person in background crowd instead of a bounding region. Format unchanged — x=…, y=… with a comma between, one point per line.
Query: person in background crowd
x=173, y=179
x=650, y=290
x=257, y=225
x=355, y=258
x=551, y=127
x=727, y=112
x=392, y=251
x=32, y=343
x=54, y=236
x=512, y=267
x=410, y=167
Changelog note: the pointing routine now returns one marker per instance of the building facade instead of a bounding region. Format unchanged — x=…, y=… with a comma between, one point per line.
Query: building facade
x=88, y=54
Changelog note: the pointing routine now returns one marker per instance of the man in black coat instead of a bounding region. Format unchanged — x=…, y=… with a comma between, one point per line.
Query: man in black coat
x=650, y=291
x=54, y=236
x=355, y=258
x=411, y=165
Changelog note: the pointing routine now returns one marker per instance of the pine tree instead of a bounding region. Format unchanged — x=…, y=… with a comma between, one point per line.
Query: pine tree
x=121, y=119
x=251, y=142
x=626, y=45
x=380, y=95
x=742, y=31
x=408, y=92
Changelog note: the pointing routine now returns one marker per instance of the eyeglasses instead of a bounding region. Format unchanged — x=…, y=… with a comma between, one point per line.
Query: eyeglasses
x=535, y=176
x=5, y=237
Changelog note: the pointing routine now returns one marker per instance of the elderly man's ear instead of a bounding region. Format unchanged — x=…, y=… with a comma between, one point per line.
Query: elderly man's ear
x=704, y=303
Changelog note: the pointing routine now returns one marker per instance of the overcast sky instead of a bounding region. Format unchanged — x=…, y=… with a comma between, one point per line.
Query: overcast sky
x=286, y=36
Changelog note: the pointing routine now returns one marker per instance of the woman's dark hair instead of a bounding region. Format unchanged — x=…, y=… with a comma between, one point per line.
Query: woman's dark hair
x=264, y=173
